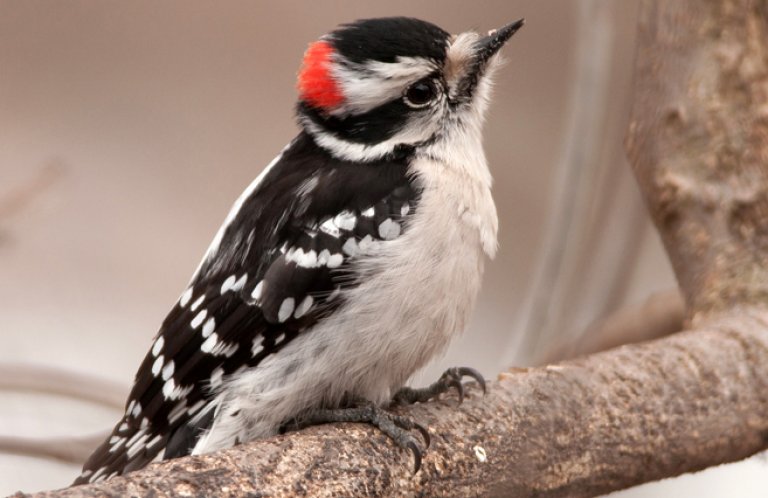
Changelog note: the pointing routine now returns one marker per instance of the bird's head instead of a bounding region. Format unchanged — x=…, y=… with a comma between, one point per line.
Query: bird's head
x=378, y=86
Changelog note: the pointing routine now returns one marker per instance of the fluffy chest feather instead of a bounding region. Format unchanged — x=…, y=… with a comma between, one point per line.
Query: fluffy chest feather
x=415, y=293
x=424, y=284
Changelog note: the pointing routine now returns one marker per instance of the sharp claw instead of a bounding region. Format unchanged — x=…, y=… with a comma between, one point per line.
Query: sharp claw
x=424, y=433
x=471, y=372
x=460, y=388
x=416, y=456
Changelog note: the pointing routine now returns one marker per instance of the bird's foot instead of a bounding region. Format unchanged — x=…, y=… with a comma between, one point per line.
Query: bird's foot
x=393, y=425
x=451, y=378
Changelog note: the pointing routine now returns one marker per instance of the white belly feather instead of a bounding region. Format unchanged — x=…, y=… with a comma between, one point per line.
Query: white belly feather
x=418, y=292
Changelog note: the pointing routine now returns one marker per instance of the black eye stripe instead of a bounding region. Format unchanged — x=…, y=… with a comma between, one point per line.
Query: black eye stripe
x=374, y=126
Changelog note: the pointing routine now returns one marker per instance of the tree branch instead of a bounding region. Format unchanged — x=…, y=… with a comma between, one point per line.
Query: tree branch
x=606, y=422
x=62, y=382
x=70, y=449
x=699, y=144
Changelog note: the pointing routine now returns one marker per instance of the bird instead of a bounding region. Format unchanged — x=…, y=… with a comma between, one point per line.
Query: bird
x=350, y=261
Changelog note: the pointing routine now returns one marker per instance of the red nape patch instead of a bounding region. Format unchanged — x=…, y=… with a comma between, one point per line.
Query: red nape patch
x=316, y=84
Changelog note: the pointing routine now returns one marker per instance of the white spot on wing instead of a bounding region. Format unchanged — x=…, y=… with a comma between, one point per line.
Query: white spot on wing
x=366, y=243
x=389, y=229
x=257, y=346
x=209, y=327
x=404, y=209
x=217, y=377
x=330, y=228
x=256, y=294
x=168, y=388
x=117, y=444
x=214, y=346
x=184, y=299
x=198, y=319
x=152, y=442
x=303, y=307
x=196, y=407
x=309, y=260
x=136, y=437
x=240, y=282
x=172, y=391
x=304, y=259
x=197, y=303
x=280, y=338
x=136, y=411
x=97, y=474
x=224, y=349
x=168, y=370
x=177, y=412
x=134, y=449
x=322, y=258
x=209, y=344
x=286, y=309
x=228, y=283
x=158, y=345
x=157, y=365
x=345, y=220
x=335, y=260
x=350, y=247
x=368, y=213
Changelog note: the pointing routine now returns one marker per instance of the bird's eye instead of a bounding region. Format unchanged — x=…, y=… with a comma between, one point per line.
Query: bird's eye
x=420, y=94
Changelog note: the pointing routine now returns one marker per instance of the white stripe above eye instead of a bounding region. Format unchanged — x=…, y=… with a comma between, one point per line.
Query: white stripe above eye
x=369, y=85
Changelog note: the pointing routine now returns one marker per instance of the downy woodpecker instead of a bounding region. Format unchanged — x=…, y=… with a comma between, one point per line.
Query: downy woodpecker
x=349, y=263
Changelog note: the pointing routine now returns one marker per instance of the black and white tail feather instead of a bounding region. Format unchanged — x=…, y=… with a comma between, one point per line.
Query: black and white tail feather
x=348, y=264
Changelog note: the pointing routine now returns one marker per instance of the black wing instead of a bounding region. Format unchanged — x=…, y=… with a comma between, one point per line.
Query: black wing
x=275, y=269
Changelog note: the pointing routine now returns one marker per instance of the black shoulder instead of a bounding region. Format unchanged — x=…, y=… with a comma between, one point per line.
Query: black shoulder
x=306, y=185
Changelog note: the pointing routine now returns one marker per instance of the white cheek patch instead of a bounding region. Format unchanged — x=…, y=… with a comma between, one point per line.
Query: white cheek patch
x=367, y=86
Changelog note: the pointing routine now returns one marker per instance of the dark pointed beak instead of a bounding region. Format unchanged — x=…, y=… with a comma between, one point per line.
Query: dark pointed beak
x=485, y=48
x=489, y=45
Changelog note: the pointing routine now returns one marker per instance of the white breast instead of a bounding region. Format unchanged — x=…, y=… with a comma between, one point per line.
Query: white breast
x=416, y=294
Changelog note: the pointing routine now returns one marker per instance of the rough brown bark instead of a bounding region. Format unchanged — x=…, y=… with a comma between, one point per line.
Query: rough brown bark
x=699, y=146
x=626, y=416
x=698, y=143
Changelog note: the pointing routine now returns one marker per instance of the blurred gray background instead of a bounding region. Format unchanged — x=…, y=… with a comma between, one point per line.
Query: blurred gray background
x=127, y=129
